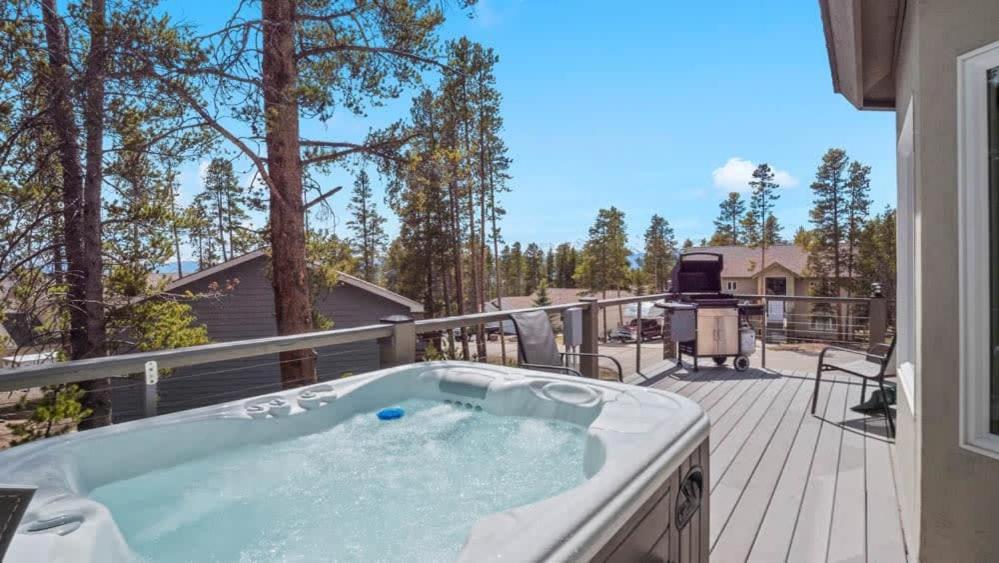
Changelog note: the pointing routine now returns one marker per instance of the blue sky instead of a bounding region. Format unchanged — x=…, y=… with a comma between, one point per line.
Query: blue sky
x=653, y=107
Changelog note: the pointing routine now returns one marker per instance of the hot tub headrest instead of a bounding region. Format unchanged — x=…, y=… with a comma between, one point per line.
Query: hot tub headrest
x=465, y=383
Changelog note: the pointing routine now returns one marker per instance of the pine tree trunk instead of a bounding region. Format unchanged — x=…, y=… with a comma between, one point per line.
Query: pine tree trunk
x=73, y=200
x=456, y=241
x=292, y=298
x=98, y=397
x=496, y=265
x=218, y=207
x=173, y=229
x=483, y=297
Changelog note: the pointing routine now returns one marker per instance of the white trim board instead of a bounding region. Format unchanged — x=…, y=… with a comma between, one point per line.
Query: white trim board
x=906, y=261
x=973, y=249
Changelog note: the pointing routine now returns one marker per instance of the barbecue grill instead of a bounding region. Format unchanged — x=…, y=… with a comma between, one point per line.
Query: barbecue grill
x=704, y=322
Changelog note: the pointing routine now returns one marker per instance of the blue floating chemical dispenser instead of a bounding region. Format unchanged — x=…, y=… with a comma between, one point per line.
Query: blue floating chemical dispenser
x=391, y=413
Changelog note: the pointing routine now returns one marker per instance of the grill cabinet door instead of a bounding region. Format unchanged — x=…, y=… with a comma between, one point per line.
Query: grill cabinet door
x=717, y=332
x=728, y=332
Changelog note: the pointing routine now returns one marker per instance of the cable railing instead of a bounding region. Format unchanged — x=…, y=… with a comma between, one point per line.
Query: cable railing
x=148, y=383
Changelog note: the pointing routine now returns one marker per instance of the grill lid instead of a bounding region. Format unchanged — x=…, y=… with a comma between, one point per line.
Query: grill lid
x=698, y=272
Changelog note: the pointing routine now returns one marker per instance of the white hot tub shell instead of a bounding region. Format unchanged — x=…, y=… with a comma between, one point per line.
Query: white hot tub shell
x=646, y=462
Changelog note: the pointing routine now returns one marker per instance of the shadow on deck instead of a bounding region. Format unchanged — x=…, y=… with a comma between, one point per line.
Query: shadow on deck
x=786, y=485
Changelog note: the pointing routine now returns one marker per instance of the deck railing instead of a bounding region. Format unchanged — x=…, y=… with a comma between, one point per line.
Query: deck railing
x=397, y=338
x=861, y=320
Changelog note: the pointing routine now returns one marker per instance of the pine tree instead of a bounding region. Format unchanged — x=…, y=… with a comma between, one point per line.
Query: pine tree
x=287, y=61
x=534, y=267
x=660, y=252
x=687, y=243
x=858, y=205
x=802, y=237
x=565, y=265
x=728, y=225
x=227, y=204
x=541, y=299
x=514, y=270
x=77, y=110
x=604, y=262
x=201, y=231
x=876, y=253
x=760, y=226
x=550, y=266
x=367, y=226
x=829, y=215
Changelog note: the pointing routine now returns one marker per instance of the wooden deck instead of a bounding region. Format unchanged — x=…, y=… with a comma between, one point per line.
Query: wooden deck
x=786, y=485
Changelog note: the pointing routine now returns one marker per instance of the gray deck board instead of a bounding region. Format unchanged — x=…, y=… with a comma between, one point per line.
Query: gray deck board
x=786, y=485
x=753, y=484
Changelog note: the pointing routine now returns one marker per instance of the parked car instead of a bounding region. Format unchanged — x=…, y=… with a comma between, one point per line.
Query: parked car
x=651, y=329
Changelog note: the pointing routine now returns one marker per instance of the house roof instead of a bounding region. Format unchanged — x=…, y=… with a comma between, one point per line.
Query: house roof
x=744, y=262
x=862, y=39
x=347, y=279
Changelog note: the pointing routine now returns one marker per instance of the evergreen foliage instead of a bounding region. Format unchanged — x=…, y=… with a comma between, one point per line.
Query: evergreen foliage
x=368, y=228
x=728, y=225
x=660, y=253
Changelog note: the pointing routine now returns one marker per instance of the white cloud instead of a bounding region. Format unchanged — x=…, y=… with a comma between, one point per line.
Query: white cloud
x=736, y=173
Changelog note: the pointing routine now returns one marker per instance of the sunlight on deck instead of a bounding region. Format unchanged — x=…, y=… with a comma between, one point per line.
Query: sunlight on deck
x=786, y=485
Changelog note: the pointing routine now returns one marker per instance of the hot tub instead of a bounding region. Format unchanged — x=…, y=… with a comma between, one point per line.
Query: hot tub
x=487, y=463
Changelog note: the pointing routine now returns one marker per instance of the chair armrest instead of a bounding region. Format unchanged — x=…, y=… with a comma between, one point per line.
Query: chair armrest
x=822, y=354
x=567, y=370
x=620, y=371
x=879, y=350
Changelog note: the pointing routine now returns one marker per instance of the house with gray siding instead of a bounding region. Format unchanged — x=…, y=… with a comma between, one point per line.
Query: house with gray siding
x=246, y=310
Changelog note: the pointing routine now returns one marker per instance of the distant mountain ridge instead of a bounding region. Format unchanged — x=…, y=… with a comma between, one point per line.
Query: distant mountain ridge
x=187, y=266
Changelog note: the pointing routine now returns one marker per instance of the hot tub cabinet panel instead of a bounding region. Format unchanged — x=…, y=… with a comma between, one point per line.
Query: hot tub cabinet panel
x=645, y=463
x=672, y=526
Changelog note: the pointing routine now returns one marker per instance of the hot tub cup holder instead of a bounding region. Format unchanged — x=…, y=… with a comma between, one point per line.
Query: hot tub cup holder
x=60, y=524
x=257, y=411
x=272, y=406
x=316, y=397
x=278, y=407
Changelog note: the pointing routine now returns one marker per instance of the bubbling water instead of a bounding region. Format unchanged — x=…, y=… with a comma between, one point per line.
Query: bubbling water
x=364, y=490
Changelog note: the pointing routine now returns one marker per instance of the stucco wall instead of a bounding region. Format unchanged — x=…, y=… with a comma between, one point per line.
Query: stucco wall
x=958, y=491
x=907, y=460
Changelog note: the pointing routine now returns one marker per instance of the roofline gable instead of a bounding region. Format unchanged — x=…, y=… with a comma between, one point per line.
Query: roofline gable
x=413, y=306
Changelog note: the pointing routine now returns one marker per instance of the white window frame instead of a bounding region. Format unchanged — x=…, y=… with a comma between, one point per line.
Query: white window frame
x=906, y=261
x=973, y=250
x=730, y=286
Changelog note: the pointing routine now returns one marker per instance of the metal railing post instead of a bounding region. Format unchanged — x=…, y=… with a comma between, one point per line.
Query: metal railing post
x=638, y=341
x=150, y=397
x=763, y=337
x=589, y=365
x=878, y=316
x=399, y=348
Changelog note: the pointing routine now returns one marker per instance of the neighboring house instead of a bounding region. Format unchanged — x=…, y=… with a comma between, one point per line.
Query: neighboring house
x=247, y=311
x=935, y=64
x=785, y=273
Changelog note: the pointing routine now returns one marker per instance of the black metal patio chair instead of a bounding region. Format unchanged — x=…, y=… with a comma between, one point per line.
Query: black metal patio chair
x=536, y=347
x=876, y=363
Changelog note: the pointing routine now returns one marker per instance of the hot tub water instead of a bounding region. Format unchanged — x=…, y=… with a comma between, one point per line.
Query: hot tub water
x=362, y=490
